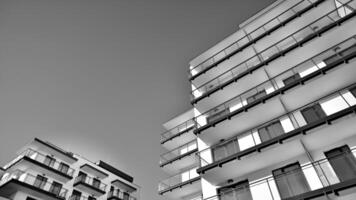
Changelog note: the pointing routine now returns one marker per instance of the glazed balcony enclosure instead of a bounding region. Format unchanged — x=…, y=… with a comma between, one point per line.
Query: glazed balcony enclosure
x=294, y=11
x=46, y=164
x=294, y=87
x=330, y=176
x=38, y=186
x=291, y=42
x=315, y=123
x=89, y=184
x=179, y=158
x=180, y=185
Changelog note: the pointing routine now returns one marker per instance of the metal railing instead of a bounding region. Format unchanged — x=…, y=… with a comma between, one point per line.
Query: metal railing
x=179, y=151
x=177, y=179
x=315, y=65
x=282, y=125
x=47, y=160
x=320, y=175
x=263, y=29
x=34, y=181
x=121, y=195
x=271, y=51
x=177, y=130
x=90, y=181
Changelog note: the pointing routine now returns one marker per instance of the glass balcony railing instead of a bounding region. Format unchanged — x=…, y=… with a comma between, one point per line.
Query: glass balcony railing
x=178, y=180
x=303, y=35
x=331, y=107
x=288, y=15
x=178, y=153
x=178, y=130
x=304, y=71
x=117, y=194
x=92, y=182
x=308, y=181
x=49, y=161
x=53, y=188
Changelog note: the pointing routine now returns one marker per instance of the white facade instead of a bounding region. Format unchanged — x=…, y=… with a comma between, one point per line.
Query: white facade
x=274, y=110
x=43, y=171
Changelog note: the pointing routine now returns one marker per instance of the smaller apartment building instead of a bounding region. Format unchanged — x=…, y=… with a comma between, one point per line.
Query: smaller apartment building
x=43, y=171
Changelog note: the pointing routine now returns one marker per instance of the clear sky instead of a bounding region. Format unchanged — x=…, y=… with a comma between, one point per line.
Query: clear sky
x=100, y=77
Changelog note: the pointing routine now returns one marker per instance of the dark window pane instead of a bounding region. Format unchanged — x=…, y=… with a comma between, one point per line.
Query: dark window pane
x=55, y=188
x=290, y=180
x=63, y=168
x=256, y=96
x=240, y=190
x=313, y=113
x=343, y=162
x=217, y=115
x=291, y=79
x=270, y=131
x=96, y=183
x=40, y=181
x=49, y=161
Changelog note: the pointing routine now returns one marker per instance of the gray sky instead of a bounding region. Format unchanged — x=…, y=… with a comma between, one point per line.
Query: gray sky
x=100, y=77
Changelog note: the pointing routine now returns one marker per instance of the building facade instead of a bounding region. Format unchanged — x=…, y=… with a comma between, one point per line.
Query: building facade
x=274, y=110
x=43, y=171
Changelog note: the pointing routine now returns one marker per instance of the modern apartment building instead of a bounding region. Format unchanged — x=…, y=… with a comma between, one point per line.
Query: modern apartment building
x=43, y=171
x=274, y=110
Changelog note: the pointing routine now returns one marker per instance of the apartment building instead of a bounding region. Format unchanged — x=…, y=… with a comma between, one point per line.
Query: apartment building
x=44, y=171
x=274, y=110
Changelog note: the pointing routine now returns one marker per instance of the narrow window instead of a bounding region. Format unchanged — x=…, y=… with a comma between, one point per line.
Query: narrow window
x=313, y=113
x=40, y=181
x=63, y=168
x=343, y=162
x=49, y=161
x=55, y=188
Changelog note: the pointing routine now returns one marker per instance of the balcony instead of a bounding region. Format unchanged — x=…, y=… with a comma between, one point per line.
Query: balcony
x=309, y=181
x=333, y=65
x=183, y=131
x=180, y=185
x=31, y=159
x=119, y=195
x=29, y=184
x=297, y=10
x=179, y=158
x=255, y=149
x=280, y=49
x=90, y=185
x=75, y=197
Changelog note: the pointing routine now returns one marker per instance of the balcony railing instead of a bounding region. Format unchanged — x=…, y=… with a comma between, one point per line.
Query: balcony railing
x=92, y=182
x=117, y=194
x=321, y=179
x=280, y=20
x=311, y=68
x=33, y=181
x=178, y=130
x=48, y=161
x=294, y=40
x=326, y=109
x=75, y=197
x=178, y=153
x=178, y=180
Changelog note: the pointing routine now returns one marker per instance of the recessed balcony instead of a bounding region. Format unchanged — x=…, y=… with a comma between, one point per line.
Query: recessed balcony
x=297, y=39
x=255, y=149
x=328, y=177
x=295, y=11
x=180, y=185
x=90, y=184
x=179, y=158
x=46, y=164
x=37, y=186
x=334, y=65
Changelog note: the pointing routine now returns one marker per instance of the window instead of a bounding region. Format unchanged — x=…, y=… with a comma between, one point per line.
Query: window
x=343, y=162
x=82, y=176
x=225, y=150
x=63, y=168
x=30, y=198
x=270, y=131
x=313, y=113
x=353, y=91
x=334, y=105
x=291, y=79
x=55, y=188
x=91, y=198
x=290, y=180
x=217, y=114
x=256, y=96
x=49, y=161
x=240, y=190
x=76, y=195
x=96, y=183
x=40, y=181
x=126, y=196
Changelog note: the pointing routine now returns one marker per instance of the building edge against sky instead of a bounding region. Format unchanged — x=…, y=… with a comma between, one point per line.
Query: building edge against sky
x=43, y=171
x=274, y=110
